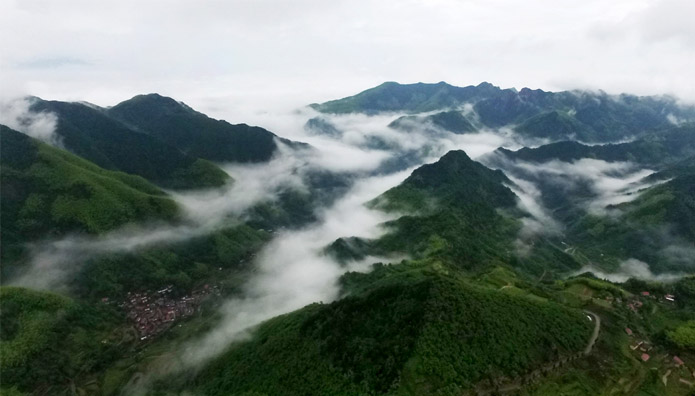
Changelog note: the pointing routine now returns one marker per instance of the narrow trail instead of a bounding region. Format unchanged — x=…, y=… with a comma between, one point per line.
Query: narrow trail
x=594, y=336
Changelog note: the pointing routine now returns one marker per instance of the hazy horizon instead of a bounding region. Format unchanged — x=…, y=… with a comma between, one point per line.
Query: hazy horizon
x=228, y=59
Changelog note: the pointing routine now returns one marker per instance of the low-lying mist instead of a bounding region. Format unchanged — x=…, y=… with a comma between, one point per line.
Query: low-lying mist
x=54, y=261
x=598, y=185
x=293, y=271
x=16, y=113
x=631, y=268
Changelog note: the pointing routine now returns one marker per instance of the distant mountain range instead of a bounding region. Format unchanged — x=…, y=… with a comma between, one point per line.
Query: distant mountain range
x=580, y=115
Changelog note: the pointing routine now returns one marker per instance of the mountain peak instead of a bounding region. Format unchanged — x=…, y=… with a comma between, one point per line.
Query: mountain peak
x=452, y=165
x=152, y=102
x=458, y=178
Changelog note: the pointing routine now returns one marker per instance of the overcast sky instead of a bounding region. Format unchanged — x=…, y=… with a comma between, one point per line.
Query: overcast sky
x=228, y=57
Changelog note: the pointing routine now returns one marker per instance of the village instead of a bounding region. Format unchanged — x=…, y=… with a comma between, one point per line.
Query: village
x=644, y=350
x=151, y=313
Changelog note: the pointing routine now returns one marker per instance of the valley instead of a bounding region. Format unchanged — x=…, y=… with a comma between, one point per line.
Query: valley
x=413, y=239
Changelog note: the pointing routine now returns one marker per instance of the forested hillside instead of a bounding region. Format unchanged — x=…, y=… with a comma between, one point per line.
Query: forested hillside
x=48, y=192
x=478, y=241
x=195, y=133
x=90, y=133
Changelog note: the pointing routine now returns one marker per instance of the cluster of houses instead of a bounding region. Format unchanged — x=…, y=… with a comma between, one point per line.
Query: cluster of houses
x=673, y=364
x=155, y=312
x=634, y=303
x=643, y=348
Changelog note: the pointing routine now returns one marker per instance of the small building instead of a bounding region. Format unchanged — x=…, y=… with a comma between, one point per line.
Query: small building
x=645, y=293
x=628, y=331
x=645, y=357
x=678, y=361
x=670, y=297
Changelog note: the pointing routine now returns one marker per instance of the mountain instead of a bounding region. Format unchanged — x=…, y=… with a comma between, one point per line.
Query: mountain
x=411, y=98
x=90, y=133
x=680, y=168
x=555, y=125
x=658, y=227
x=452, y=121
x=455, y=179
x=322, y=126
x=455, y=210
x=195, y=133
x=50, y=192
x=410, y=331
x=588, y=116
x=653, y=223
x=659, y=149
x=481, y=281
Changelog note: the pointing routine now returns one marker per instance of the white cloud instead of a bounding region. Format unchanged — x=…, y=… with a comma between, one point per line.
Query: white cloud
x=610, y=183
x=541, y=221
x=17, y=114
x=225, y=57
x=630, y=268
x=291, y=271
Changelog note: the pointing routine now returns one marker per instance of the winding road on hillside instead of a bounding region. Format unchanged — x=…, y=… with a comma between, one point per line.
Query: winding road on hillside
x=594, y=336
x=519, y=382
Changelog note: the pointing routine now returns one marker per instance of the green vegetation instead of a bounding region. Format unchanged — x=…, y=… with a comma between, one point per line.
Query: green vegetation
x=195, y=133
x=595, y=117
x=48, y=341
x=555, y=125
x=412, y=98
x=406, y=332
x=91, y=133
x=183, y=265
x=49, y=192
x=451, y=211
x=661, y=217
x=452, y=121
x=453, y=180
x=662, y=148
x=460, y=211
x=684, y=335
x=475, y=306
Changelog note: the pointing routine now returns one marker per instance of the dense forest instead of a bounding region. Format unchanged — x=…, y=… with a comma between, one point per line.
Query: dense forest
x=508, y=271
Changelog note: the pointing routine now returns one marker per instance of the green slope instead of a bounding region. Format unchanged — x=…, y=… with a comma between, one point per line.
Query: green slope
x=596, y=117
x=452, y=121
x=591, y=116
x=195, y=133
x=659, y=149
x=450, y=210
x=458, y=211
x=415, y=332
x=49, y=192
x=48, y=189
x=453, y=179
x=222, y=257
x=47, y=341
x=661, y=217
x=414, y=98
x=89, y=132
x=555, y=125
